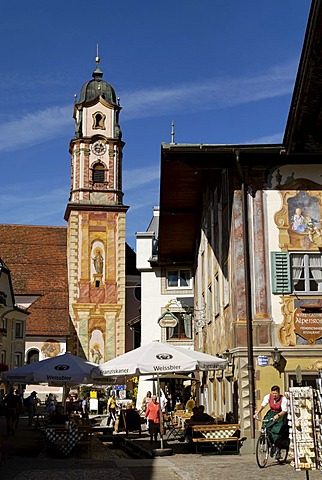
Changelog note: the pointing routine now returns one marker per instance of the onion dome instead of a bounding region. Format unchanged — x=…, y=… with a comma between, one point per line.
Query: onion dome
x=97, y=87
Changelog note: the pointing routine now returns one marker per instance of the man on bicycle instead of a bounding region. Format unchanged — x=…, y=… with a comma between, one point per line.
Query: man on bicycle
x=278, y=412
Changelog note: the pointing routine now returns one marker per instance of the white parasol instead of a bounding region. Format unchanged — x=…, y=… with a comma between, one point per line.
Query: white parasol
x=64, y=370
x=159, y=358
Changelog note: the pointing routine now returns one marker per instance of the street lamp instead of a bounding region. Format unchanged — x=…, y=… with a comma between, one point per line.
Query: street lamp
x=276, y=357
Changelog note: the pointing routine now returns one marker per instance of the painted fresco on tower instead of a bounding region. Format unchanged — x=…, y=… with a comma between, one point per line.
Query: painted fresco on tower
x=96, y=347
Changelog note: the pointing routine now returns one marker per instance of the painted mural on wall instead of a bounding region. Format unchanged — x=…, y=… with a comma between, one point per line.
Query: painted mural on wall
x=51, y=348
x=96, y=347
x=300, y=230
x=299, y=220
x=304, y=220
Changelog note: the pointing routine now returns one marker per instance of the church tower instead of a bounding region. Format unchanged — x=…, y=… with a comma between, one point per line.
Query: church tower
x=96, y=225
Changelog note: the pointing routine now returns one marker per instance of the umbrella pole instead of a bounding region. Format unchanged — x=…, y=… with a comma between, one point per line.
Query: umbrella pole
x=64, y=396
x=160, y=410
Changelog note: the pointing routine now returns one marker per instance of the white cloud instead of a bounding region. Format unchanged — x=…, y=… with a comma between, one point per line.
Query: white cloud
x=211, y=94
x=41, y=126
x=34, y=128
x=21, y=208
x=274, y=138
x=135, y=178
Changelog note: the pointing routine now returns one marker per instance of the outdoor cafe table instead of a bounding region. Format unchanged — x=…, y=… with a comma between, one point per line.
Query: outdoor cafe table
x=63, y=438
x=180, y=419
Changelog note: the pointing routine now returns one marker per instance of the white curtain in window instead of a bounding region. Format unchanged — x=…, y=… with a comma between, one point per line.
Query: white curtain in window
x=297, y=266
x=170, y=332
x=187, y=325
x=315, y=264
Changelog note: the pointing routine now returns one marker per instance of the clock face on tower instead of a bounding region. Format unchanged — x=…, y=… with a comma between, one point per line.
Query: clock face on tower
x=99, y=148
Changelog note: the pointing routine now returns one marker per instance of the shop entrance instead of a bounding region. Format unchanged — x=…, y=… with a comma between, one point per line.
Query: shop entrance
x=308, y=380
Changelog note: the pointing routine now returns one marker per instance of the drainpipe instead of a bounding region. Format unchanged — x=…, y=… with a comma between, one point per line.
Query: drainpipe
x=248, y=292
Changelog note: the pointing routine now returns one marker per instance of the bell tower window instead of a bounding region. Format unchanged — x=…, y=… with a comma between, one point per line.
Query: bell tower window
x=99, y=120
x=98, y=174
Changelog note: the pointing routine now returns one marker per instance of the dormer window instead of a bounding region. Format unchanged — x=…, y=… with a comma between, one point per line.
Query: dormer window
x=99, y=121
x=98, y=173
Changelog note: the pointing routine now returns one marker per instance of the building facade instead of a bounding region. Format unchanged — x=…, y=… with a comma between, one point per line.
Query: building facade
x=12, y=326
x=166, y=298
x=247, y=219
x=96, y=225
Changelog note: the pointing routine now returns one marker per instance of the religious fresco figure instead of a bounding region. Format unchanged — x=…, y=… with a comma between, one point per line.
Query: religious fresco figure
x=96, y=353
x=98, y=261
x=298, y=221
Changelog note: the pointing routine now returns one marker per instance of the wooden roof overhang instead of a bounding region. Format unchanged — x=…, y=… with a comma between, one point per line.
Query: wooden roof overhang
x=184, y=172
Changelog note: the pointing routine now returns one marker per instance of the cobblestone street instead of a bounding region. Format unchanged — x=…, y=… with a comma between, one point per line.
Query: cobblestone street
x=28, y=459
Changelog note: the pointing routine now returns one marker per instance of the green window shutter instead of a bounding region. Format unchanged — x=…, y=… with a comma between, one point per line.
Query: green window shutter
x=281, y=273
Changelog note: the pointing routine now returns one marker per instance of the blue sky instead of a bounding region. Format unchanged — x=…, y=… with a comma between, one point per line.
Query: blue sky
x=222, y=70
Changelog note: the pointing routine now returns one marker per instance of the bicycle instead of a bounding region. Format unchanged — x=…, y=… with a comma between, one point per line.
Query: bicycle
x=266, y=447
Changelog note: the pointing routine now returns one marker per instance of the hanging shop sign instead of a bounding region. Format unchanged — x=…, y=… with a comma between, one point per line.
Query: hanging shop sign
x=168, y=320
x=308, y=324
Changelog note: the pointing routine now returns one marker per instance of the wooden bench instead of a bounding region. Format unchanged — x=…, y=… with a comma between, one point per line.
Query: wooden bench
x=225, y=438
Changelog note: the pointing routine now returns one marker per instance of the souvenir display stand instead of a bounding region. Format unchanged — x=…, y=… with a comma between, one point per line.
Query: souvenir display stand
x=305, y=419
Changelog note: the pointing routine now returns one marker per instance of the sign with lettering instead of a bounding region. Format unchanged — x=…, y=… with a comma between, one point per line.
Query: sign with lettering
x=167, y=320
x=308, y=324
x=262, y=360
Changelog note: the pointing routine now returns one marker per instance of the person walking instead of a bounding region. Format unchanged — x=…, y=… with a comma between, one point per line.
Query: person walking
x=11, y=405
x=152, y=413
x=85, y=407
x=31, y=405
x=111, y=406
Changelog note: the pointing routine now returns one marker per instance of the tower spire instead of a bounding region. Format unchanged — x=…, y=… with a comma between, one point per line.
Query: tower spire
x=172, y=132
x=97, y=58
x=97, y=74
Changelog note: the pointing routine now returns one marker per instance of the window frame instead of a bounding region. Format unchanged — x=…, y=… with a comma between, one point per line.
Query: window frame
x=179, y=278
x=19, y=323
x=179, y=332
x=18, y=359
x=98, y=173
x=282, y=273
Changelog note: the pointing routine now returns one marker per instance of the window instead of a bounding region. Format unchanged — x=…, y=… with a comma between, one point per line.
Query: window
x=99, y=120
x=179, y=279
x=3, y=328
x=296, y=273
x=33, y=356
x=3, y=358
x=137, y=292
x=18, y=359
x=183, y=329
x=18, y=330
x=98, y=174
x=217, y=296
x=226, y=284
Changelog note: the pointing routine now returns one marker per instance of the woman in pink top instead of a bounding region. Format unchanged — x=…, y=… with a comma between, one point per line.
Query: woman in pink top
x=153, y=415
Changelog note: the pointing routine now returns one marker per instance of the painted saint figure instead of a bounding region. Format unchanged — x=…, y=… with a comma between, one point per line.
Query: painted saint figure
x=299, y=224
x=96, y=354
x=98, y=262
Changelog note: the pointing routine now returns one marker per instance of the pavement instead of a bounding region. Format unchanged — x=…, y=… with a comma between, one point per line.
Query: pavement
x=28, y=458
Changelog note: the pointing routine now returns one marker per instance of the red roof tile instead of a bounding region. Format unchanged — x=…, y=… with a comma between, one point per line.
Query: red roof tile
x=37, y=259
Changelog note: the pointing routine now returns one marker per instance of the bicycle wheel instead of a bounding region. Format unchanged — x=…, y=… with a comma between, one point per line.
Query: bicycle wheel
x=262, y=451
x=283, y=454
